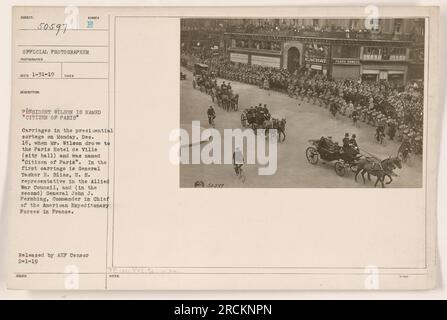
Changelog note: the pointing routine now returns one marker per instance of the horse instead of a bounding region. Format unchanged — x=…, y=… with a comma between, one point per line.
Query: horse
x=268, y=125
x=280, y=126
x=235, y=102
x=379, y=169
x=244, y=119
x=219, y=98
x=225, y=100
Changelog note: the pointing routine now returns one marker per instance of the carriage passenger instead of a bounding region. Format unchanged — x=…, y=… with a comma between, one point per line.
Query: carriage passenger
x=353, y=141
x=350, y=147
x=346, y=141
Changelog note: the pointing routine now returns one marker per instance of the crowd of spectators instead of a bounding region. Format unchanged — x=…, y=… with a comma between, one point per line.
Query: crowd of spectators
x=275, y=27
x=398, y=107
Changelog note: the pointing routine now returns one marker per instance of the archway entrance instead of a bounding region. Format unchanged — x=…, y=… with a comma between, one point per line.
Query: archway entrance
x=293, y=59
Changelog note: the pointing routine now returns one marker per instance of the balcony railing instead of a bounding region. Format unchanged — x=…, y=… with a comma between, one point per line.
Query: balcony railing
x=359, y=35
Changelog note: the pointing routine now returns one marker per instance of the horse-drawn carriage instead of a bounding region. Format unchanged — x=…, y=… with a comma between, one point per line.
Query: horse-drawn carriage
x=330, y=151
x=200, y=71
x=351, y=158
x=255, y=118
x=200, y=68
x=226, y=99
x=260, y=118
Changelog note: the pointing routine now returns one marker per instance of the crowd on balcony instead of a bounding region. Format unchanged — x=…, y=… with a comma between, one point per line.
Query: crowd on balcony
x=275, y=27
x=259, y=45
x=271, y=28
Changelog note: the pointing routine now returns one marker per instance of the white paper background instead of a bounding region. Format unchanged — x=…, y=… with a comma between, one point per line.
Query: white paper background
x=5, y=89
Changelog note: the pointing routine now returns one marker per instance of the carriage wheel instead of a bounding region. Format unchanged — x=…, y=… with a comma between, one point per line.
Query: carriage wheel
x=312, y=155
x=353, y=167
x=340, y=168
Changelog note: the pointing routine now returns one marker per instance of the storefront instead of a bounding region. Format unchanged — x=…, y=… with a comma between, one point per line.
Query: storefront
x=266, y=61
x=316, y=57
x=345, y=61
x=345, y=68
x=316, y=64
x=370, y=75
x=416, y=64
x=415, y=71
x=256, y=57
x=392, y=73
x=239, y=57
x=396, y=77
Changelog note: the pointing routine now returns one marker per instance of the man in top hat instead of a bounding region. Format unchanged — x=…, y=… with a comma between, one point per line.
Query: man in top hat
x=353, y=140
x=346, y=141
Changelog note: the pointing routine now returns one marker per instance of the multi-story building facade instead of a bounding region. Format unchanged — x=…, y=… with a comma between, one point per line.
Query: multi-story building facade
x=392, y=50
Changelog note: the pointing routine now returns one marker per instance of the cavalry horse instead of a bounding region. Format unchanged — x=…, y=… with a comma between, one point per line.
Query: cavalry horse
x=234, y=102
x=278, y=125
x=223, y=99
x=379, y=169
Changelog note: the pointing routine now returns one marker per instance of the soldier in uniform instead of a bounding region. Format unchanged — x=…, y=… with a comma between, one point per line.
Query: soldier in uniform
x=355, y=115
x=391, y=129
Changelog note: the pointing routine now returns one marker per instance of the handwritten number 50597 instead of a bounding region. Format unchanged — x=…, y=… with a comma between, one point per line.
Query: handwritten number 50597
x=58, y=27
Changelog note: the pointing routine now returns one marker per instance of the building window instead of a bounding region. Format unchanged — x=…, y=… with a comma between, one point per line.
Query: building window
x=346, y=52
x=398, y=26
x=384, y=54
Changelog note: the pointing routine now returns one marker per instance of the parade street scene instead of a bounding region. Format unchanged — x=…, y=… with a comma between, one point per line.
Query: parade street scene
x=342, y=103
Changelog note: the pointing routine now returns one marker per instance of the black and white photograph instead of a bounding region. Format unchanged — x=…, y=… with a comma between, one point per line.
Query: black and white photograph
x=314, y=103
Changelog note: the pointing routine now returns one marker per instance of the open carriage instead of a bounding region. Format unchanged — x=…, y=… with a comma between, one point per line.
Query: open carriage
x=255, y=119
x=200, y=70
x=330, y=151
x=226, y=99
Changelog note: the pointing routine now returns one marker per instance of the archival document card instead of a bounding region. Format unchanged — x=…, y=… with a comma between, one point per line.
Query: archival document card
x=223, y=148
